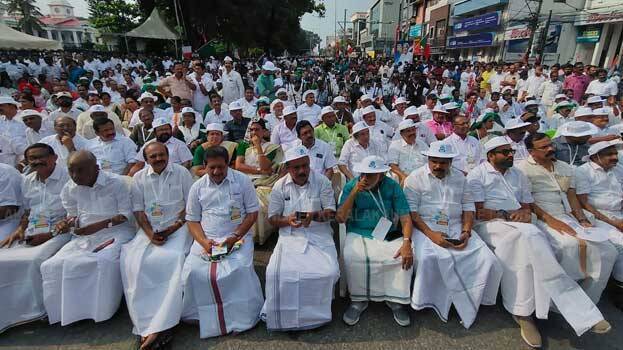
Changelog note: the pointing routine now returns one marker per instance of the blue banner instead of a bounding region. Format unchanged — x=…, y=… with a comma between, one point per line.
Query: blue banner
x=473, y=40
x=415, y=31
x=489, y=20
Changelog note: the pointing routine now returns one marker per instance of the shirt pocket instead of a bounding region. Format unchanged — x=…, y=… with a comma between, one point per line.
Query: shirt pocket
x=175, y=193
x=563, y=181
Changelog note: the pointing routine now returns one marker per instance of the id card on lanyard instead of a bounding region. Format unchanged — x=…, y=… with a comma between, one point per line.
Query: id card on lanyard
x=441, y=217
x=384, y=225
x=41, y=223
x=155, y=209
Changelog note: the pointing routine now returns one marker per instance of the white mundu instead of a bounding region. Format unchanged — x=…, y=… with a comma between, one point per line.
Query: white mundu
x=151, y=274
x=532, y=277
x=20, y=280
x=10, y=195
x=225, y=296
x=303, y=268
x=444, y=277
x=589, y=258
x=79, y=283
x=606, y=195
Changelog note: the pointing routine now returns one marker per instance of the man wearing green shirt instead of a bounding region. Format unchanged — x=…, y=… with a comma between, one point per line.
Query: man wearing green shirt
x=378, y=265
x=266, y=81
x=330, y=131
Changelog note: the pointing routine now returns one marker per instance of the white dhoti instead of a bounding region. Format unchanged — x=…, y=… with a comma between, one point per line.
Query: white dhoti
x=616, y=238
x=225, y=296
x=586, y=261
x=464, y=278
x=79, y=284
x=20, y=281
x=152, y=281
x=372, y=273
x=532, y=276
x=8, y=225
x=299, y=285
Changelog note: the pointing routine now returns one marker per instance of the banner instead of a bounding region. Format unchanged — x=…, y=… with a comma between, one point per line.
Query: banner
x=489, y=20
x=474, y=40
x=588, y=35
x=415, y=31
x=517, y=33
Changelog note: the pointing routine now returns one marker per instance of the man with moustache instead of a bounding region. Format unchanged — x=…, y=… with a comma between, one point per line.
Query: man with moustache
x=38, y=236
x=301, y=205
x=178, y=151
x=115, y=153
x=468, y=147
x=151, y=264
x=322, y=160
x=532, y=277
x=143, y=132
x=454, y=266
x=37, y=127
x=601, y=194
x=356, y=148
x=65, y=141
x=405, y=155
x=64, y=102
x=83, y=280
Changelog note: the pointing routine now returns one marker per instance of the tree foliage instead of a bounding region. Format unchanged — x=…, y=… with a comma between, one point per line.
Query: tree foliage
x=114, y=16
x=273, y=25
x=28, y=14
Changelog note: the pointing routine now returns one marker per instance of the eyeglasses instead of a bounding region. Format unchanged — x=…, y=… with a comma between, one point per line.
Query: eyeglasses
x=533, y=120
x=506, y=152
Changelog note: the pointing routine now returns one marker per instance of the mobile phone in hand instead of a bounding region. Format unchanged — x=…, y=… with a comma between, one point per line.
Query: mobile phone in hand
x=454, y=241
x=301, y=215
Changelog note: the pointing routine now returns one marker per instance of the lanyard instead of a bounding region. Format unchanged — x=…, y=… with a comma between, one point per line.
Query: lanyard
x=509, y=189
x=156, y=195
x=443, y=194
x=572, y=158
x=143, y=132
x=381, y=205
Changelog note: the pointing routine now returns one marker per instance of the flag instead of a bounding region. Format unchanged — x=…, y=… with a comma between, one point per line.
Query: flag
x=424, y=44
x=417, y=49
x=349, y=49
x=396, y=52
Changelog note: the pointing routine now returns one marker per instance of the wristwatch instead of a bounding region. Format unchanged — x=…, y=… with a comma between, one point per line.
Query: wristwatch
x=406, y=239
x=502, y=213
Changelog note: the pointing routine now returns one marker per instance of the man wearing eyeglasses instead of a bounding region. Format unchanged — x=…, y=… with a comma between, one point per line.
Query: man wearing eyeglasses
x=532, y=276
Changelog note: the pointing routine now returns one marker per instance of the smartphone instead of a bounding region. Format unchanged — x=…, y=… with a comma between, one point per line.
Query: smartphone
x=103, y=245
x=301, y=215
x=454, y=241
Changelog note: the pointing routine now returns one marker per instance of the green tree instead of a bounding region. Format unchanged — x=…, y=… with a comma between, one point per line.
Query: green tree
x=28, y=14
x=114, y=16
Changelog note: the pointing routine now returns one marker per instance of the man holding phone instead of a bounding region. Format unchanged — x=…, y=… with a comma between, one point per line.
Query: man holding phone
x=301, y=205
x=220, y=283
x=454, y=266
x=151, y=264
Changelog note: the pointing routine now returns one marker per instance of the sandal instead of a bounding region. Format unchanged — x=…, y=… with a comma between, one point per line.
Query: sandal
x=162, y=341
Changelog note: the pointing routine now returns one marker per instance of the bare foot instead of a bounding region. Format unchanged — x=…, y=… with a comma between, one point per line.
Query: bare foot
x=148, y=340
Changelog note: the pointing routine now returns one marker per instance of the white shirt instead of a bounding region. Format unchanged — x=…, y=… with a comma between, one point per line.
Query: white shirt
x=248, y=107
x=497, y=191
x=43, y=199
x=178, y=151
x=158, y=113
x=14, y=129
x=353, y=153
x=73, y=113
x=309, y=113
x=114, y=155
x=109, y=196
x=496, y=81
x=233, y=87
x=381, y=133
x=533, y=84
x=430, y=196
x=9, y=151
x=217, y=206
x=61, y=151
x=222, y=118
x=426, y=114
x=10, y=186
x=33, y=136
x=317, y=194
x=161, y=196
x=321, y=156
x=470, y=152
x=603, y=189
x=199, y=99
x=548, y=91
x=407, y=157
x=607, y=88
x=521, y=152
x=283, y=136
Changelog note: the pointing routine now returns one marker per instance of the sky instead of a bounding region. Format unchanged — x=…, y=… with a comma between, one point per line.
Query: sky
x=321, y=26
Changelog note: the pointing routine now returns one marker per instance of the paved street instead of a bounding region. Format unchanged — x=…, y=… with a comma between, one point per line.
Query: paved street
x=494, y=329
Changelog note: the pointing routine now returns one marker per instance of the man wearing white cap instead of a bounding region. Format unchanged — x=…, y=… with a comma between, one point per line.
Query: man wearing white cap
x=440, y=126
x=148, y=102
x=342, y=112
x=454, y=266
x=37, y=127
x=11, y=124
x=309, y=110
x=115, y=153
x=515, y=134
x=581, y=245
x=330, y=131
x=532, y=277
x=364, y=101
x=304, y=261
x=221, y=289
x=248, y=102
x=322, y=160
x=469, y=149
x=398, y=114
x=84, y=124
x=571, y=141
x=405, y=154
x=178, y=151
x=237, y=127
x=282, y=95
x=151, y=264
x=424, y=133
x=233, y=87
x=357, y=148
x=265, y=84
x=284, y=133
x=601, y=194
x=64, y=101
x=65, y=140
x=379, y=131
x=605, y=133
x=378, y=258
x=562, y=114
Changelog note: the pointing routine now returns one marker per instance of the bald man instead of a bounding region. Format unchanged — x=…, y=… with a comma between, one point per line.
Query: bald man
x=83, y=280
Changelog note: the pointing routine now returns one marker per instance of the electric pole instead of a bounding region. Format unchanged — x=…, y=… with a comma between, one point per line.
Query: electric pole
x=543, y=40
x=533, y=25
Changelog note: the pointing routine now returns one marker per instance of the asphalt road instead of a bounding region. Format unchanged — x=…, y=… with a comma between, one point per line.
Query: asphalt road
x=493, y=329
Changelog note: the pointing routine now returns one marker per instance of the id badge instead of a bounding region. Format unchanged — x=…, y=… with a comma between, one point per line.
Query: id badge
x=156, y=210
x=218, y=250
x=235, y=215
x=382, y=229
x=106, y=165
x=441, y=218
x=41, y=224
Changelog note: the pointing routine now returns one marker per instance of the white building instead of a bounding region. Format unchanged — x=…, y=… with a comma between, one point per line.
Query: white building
x=599, y=39
x=380, y=33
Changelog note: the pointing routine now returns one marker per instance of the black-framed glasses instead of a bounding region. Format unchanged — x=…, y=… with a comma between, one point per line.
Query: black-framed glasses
x=506, y=152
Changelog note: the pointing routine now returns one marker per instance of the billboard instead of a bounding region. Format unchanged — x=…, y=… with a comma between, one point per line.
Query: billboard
x=415, y=31
x=489, y=20
x=473, y=40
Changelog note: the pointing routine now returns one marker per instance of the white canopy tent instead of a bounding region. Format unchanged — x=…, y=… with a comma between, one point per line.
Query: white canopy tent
x=13, y=39
x=154, y=27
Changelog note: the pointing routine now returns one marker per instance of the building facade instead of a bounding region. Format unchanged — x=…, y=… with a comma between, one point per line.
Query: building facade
x=379, y=35
x=599, y=39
